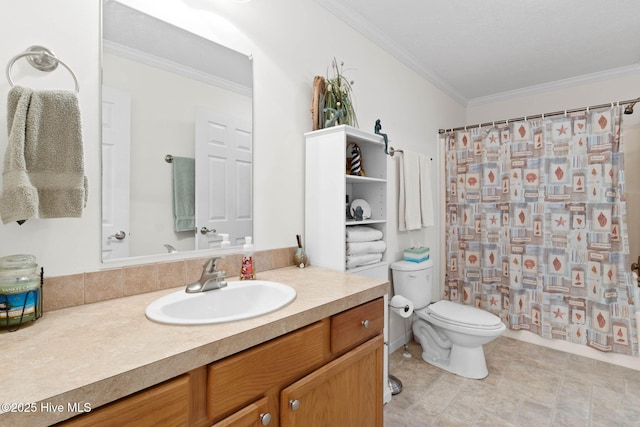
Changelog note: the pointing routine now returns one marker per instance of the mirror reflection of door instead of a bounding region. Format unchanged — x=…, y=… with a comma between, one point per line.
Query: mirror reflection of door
x=116, y=139
x=224, y=184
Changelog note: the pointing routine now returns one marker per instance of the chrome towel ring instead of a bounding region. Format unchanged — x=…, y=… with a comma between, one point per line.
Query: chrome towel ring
x=42, y=59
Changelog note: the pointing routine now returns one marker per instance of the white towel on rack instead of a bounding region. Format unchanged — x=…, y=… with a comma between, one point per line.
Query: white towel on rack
x=415, y=204
x=44, y=162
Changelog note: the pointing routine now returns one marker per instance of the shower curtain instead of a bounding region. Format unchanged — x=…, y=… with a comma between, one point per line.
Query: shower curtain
x=536, y=227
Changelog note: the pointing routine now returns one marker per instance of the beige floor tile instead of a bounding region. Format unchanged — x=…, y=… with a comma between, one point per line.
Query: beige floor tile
x=528, y=385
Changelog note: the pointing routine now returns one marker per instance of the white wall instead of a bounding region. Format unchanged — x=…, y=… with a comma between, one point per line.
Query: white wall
x=291, y=42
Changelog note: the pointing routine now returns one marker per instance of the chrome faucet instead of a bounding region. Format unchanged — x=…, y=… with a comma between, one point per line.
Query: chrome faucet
x=210, y=279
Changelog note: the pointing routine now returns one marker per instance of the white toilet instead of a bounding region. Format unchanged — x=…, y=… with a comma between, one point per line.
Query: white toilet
x=451, y=334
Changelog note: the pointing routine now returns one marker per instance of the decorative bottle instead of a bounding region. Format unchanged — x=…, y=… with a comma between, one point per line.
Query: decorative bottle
x=247, y=268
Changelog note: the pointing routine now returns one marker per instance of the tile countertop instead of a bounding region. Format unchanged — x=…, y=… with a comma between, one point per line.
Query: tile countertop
x=97, y=353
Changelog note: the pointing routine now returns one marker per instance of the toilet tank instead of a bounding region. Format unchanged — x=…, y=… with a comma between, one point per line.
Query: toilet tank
x=413, y=280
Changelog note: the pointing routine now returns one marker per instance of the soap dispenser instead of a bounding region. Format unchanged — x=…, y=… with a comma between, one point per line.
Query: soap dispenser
x=247, y=269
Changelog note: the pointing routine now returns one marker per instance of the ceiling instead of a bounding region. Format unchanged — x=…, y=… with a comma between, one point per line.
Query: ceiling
x=482, y=50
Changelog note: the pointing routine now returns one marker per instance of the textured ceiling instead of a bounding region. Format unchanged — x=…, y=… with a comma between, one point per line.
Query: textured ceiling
x=476, y=50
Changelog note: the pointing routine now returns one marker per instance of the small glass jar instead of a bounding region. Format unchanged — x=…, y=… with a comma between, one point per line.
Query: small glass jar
x=20, y=293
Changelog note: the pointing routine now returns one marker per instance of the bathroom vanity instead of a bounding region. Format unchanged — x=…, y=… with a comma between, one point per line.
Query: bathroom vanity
x=318, y=358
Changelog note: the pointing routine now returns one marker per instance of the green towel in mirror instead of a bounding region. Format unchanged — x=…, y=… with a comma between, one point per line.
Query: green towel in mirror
x=184, y=193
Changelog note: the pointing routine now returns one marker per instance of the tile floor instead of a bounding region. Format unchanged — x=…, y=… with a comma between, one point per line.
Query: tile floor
x=528, y=385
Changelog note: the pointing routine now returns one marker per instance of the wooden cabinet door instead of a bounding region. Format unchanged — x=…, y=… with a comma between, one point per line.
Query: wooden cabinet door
x=253, y=415
x=345, y=392
x=166, y=404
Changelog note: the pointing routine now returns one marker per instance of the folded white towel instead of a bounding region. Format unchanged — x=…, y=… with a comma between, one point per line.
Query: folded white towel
x=358, y=248
x=415, y=204
x=362, y=233
x=364, y=259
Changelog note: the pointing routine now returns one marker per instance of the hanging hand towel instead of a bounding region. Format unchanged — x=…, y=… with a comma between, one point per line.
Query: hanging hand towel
x=44, y=162
x=415, y=204
x=19, y=199
x=184, y=193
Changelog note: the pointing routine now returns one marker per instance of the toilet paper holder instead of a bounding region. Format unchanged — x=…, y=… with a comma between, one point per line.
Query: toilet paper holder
x=406, y=308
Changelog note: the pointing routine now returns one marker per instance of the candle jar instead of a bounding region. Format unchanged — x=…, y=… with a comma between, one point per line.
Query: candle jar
x=20, y=291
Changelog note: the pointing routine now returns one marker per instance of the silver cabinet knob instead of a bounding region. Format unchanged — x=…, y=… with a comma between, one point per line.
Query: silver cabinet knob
x=365, y=324
x=294, y=404
x=265, y=418
x=205, y=230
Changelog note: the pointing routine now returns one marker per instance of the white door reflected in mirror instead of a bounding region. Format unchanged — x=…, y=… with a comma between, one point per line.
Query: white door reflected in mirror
x=116, y=135
x=224, y=184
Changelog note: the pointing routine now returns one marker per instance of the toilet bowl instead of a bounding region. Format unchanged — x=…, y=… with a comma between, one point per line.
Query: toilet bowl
x=451, y=334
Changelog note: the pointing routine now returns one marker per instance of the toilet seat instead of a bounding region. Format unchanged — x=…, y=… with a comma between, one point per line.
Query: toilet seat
x=460, y=315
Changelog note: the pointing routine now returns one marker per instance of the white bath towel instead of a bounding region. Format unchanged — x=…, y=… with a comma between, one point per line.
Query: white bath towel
x=359, y=248
x=415, y=201
x=362, y=233
x=44, y=162
x=364, y=259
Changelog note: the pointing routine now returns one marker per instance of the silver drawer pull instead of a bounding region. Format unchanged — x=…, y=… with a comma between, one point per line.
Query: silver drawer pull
x=365, y=324
x=294, y=404
x=265, y=419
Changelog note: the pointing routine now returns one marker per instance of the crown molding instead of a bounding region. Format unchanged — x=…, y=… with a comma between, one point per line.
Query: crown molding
x=174, y=67
x=376, y=36
x=557, y=85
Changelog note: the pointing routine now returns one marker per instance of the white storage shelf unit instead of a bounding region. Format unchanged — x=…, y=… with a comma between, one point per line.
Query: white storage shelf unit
x=326, y=188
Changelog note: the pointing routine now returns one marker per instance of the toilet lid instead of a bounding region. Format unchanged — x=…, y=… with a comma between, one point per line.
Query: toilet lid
x=463, y=315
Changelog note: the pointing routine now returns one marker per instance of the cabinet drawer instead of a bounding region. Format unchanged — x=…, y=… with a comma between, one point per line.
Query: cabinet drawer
x=164, y=404
x=355, y=326
x=238, y=380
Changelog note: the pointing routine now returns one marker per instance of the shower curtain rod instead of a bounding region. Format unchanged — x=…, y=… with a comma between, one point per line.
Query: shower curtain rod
x=538, y=116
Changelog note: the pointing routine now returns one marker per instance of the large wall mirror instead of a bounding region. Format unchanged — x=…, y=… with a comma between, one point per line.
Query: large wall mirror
x=177, y=146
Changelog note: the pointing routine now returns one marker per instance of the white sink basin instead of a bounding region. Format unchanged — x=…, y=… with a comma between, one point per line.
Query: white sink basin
x=238, y=300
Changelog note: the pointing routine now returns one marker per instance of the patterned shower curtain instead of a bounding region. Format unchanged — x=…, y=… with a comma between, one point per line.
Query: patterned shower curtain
x=536, y=227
